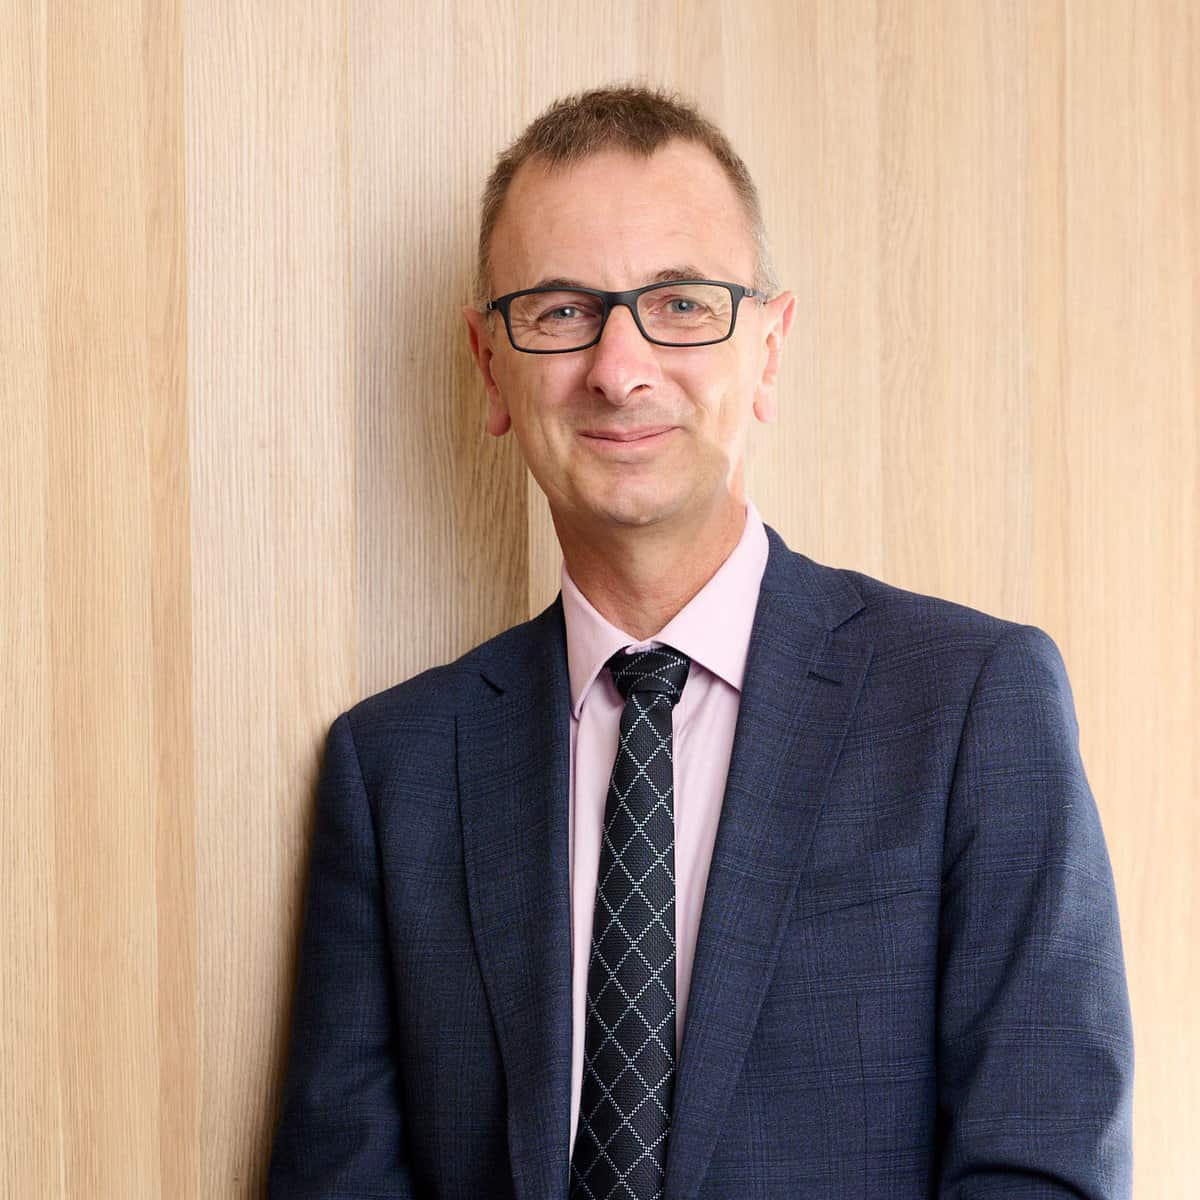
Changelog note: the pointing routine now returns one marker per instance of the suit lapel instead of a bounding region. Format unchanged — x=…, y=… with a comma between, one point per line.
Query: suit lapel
x=513, y=761
x=798, y=695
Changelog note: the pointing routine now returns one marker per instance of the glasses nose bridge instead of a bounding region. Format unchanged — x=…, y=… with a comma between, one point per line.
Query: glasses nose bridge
x=615, y=300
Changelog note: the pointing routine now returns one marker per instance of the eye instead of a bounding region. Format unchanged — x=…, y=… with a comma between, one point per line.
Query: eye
x=564, y=313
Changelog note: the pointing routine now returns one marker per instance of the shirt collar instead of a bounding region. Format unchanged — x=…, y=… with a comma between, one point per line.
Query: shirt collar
x=713, y=628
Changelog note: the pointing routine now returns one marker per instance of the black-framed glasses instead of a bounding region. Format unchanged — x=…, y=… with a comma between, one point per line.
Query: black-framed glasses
x=682, y=312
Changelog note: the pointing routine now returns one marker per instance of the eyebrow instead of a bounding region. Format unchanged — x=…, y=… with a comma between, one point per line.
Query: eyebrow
x=666, y=275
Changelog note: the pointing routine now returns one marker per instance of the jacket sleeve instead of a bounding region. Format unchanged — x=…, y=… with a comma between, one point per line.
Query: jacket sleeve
x=340, y=1132
x=1035, y=1042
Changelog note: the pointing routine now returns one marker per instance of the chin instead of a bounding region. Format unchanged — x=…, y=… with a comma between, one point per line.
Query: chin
x=634, y=510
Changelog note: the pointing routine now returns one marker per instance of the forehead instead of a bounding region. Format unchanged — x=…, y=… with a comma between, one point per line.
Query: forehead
x=616, y=219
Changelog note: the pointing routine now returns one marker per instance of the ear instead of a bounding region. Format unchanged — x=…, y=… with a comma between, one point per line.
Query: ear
x=780, y=313
x=480, y=337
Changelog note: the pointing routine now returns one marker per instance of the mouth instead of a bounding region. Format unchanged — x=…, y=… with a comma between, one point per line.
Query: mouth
x=628, y=437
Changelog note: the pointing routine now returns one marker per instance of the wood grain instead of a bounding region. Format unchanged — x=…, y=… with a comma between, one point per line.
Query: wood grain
x=245, y=479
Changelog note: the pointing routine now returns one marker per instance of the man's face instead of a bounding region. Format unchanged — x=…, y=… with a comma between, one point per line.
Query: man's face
x=618, y=221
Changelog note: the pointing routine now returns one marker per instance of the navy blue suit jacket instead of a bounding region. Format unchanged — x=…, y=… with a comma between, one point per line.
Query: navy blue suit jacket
x=908, y=979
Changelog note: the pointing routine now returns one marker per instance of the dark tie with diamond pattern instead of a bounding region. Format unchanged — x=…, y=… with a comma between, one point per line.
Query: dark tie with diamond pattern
x=629, y=1031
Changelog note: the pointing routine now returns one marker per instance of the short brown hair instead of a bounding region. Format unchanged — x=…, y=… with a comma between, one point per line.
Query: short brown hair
x=627, y=117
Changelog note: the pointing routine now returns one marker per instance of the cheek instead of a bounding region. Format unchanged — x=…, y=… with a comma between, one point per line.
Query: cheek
x=537, y=392
x=511, y=373
x=719, y=394
x=719, y=384
x=728, y=408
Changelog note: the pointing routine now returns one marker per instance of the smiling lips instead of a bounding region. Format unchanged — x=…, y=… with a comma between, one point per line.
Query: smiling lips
x=626, y=435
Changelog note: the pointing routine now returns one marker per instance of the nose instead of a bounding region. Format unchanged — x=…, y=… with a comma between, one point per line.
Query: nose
x=622, y=360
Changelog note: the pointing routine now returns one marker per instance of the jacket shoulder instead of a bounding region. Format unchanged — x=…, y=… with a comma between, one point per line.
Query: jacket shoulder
x=893, y=611
x=858, y=607
x=930, y=654
x=907, y=625
x=420, y=711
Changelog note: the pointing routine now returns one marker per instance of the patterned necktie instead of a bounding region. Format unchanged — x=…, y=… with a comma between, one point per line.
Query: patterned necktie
x=629, y=1032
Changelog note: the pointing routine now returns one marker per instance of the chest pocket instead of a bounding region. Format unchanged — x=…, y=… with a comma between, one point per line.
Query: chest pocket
x=865, y=879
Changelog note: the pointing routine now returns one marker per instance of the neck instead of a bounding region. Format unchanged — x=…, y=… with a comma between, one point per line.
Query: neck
x=639, y=577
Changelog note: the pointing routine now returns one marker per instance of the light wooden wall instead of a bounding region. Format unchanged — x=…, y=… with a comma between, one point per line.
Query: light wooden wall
x=245, y=481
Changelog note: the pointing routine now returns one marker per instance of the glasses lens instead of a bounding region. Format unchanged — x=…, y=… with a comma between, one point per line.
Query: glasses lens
x=682, y=314
x=554, y=320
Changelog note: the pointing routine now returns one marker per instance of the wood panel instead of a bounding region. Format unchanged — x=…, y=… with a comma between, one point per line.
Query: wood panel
x=30, y=1092
x=1130, y=505
x=275, y=603
x=245, y=480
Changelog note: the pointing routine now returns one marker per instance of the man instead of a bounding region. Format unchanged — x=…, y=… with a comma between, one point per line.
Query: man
x=730, y=874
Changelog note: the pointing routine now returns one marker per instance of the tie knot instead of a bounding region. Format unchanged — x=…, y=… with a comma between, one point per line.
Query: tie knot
x=662, y=670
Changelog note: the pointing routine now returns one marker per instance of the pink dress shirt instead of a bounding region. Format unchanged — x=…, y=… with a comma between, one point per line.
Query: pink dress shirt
x=713, y=630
